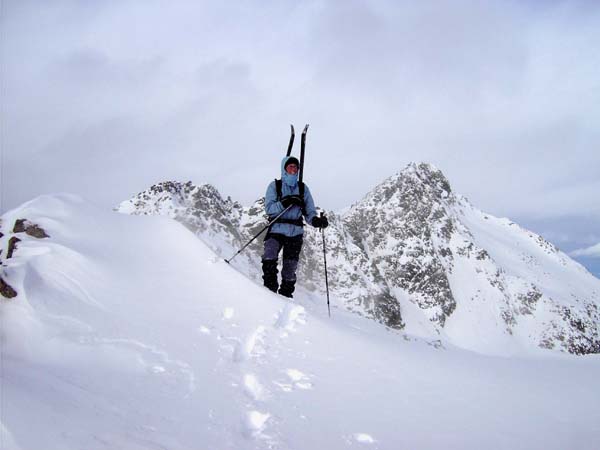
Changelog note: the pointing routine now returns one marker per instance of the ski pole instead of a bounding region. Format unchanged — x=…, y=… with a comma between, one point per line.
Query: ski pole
x=259, y=233
x=325, y=261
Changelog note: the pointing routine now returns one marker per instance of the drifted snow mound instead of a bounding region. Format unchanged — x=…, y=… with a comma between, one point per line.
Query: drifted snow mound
x=418, y=257
x=128, y=332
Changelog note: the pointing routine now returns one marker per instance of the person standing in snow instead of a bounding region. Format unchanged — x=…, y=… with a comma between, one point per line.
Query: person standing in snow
x=287, y=232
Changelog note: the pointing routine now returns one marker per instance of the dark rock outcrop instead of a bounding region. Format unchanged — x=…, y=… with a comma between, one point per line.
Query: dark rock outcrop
x=12, y=246
x=6, y=290
x=19, y=226
x=31, y=229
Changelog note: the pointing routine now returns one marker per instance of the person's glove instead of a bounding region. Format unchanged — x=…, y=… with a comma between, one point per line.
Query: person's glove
x=289, y=200
x=320, y=222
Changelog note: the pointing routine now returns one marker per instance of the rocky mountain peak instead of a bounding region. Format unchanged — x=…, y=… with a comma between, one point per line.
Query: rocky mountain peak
x=171, y=187
x=416, y=183
x=185, y=191
x=173, y=195
x=428, y=174
x=404, y=226
x=411, y=203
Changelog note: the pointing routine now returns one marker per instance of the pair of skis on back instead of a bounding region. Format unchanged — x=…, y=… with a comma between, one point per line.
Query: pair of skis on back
x=302, y=147
x=301, y=172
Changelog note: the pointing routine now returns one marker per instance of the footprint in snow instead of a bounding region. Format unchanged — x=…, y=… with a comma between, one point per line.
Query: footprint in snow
x=297, y=379
x=228, y=313
x=253, y=388
x=255, y=422
x=154, y=360
x=291, y=316
x=251, y=347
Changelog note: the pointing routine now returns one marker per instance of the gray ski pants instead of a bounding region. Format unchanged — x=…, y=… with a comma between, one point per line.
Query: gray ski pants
x=291, y=253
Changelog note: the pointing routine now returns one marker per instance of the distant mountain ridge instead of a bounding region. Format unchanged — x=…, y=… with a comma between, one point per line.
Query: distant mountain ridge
x=414, y=255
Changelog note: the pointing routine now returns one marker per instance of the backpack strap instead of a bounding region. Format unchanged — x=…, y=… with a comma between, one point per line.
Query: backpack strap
x=298, y=222
x=278, y=188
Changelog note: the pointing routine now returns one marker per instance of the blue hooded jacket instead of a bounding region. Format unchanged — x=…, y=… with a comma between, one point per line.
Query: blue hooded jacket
x=289, y=186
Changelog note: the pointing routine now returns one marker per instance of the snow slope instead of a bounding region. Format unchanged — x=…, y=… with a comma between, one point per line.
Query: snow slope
x=418, y=257
x=128, y=332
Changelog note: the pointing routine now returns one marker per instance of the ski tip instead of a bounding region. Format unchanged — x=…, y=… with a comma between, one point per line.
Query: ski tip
x=291, y=143
x=305, y=128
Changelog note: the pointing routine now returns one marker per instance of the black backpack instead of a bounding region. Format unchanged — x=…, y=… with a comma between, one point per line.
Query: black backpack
x=299, y=222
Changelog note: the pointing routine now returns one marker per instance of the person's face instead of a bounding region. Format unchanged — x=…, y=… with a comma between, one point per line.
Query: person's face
x=292, y=169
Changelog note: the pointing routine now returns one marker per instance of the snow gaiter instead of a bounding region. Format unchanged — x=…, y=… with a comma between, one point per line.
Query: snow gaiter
x=288, y=277
x=287, y=288
x=269, y=267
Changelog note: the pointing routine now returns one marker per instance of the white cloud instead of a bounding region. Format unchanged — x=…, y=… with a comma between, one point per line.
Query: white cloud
x=592, y=252
x=101, y=98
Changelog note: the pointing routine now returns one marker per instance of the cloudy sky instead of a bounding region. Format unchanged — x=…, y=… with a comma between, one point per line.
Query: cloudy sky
x=104, y=98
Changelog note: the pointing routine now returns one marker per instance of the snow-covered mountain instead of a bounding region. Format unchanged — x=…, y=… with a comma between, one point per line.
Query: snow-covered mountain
x=416, y=256
x=128, y=332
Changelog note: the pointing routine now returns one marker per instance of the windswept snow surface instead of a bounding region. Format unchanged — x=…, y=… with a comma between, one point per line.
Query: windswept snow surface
x=128, y=332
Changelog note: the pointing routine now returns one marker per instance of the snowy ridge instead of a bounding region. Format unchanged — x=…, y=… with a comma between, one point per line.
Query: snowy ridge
x=128, y=332
x=414, y=255
x=220, y=223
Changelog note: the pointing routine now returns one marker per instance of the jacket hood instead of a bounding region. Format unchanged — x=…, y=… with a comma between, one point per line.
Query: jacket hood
x=290, y=180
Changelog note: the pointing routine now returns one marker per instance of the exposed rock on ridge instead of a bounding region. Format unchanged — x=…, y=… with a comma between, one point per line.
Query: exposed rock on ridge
x=8, y=242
